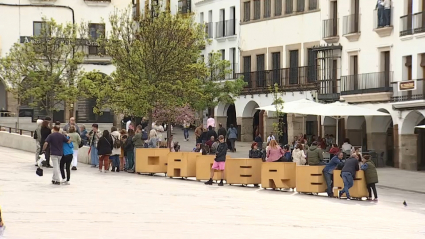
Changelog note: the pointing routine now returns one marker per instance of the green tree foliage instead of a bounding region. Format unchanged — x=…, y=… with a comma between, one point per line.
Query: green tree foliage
x=278, y=102
x=43, y=71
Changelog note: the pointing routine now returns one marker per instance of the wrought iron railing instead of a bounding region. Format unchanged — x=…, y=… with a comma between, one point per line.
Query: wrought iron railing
x=351, y=24
x=366, y=83
x=419, y=22
x=406, y=25
x=330, y=27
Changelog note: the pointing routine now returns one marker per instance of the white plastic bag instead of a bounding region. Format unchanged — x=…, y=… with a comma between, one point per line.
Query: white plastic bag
x=41, y=159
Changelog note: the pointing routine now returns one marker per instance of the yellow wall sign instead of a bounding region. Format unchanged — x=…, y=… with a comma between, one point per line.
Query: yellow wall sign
x=407, y=85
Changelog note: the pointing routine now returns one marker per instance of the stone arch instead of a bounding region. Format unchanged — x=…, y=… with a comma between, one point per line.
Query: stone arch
x=411, y=120
x=221, y=109
x=250, y=109
x=3, y=95
x=381, y=123
x=356, y=130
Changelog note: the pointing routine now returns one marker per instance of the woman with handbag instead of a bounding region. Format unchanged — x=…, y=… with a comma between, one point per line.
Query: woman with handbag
x=274, y=152
x=104, y=148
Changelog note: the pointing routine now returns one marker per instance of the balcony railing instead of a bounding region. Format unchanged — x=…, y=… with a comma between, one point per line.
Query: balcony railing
x=209, y=29
x=351, y=24
x=366, y=83
x=419, y=22
x=329, y=90
x=330, y=28
x=234, y=67
x=382, y=18
x=288, y=78
x=417, y=94
x=406, y=25
x=225, y=28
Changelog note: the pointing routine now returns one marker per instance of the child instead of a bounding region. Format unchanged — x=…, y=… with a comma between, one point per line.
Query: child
x=371, y=176
x=219, y=161
x=198, y=148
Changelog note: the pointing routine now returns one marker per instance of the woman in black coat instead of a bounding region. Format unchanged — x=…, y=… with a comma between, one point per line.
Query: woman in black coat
x=104, y=148
x=45, y=131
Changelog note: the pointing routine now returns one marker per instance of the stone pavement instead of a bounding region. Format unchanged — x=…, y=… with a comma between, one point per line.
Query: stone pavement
x=388, y=177
x=122, y=205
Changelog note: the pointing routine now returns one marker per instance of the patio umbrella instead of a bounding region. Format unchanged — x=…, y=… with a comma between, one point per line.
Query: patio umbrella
x=338, y=109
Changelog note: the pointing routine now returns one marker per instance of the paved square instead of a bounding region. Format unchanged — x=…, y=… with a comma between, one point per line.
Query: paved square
x=122, y=205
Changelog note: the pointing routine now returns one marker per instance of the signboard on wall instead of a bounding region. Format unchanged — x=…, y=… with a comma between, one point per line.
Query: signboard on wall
x=407, y=85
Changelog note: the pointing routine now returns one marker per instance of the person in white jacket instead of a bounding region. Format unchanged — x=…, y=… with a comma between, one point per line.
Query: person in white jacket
x=298, y=155
x=114, y=158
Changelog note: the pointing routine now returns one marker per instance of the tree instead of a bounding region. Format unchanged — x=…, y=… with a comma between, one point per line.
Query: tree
x=157, y=65
x=43, y=70
x=278, y=102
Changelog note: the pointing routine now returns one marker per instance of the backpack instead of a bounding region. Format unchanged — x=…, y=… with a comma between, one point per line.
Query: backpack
x=144, y=135
x=117, y=142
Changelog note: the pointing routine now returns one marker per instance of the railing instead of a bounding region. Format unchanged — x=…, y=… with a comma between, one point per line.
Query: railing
x=300, y=5
x=289, y=6
x=329, y=90
x=312, y=5
x=406, y=25
x=290, y=78
x=209, y=29
x=419, y=22
x=97, y=0
x=366, y=83
x=382, y=18
x=226, y=28
x=234, y=67
x=16, y=130
x=330, y=28
x=417, y=94
x=351, y=24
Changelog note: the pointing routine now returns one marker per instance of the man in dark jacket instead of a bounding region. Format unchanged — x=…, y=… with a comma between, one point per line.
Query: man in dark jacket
x=219, y=161
x=221, y=131
x=348, y=173
x=210, y=133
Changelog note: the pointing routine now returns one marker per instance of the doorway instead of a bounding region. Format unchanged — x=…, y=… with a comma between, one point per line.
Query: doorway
x=258, y=124
x=231, y=116
x=420, y=148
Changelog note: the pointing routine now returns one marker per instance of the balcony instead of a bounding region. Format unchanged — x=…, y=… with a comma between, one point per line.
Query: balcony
x=209, y=29
x=184, y=6
x=383, y=22
x=288, y=79
x=419, y=22
x=406, y=25
x=416, y=93
x=330, y=30
x=234, y=67
x=329, y=90
x=367, y=87
x=225, y=29
x=351, y=27
x=99, y=3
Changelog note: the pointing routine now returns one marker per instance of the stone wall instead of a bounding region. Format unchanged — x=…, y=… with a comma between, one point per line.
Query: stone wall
x=246, y=128
x=408, y=151
x=220, y=120
x=355, y=136
x=378, y=142
x=295, y=126
x=268, y=126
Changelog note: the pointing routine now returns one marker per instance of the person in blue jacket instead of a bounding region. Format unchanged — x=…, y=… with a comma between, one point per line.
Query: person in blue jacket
x=66, y=160
x=328, y=172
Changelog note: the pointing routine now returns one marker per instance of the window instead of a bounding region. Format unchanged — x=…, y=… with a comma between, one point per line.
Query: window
x=267, y=8
x=96, y=30
x=277, y=7
x=257, y=9
x=246, y=11
x=312, y=4
x=261, y=81
x=289, y=6
x=300, y=5
x=408, y=65
x=311, y=72
x=184, y=6
x=201, y=17
x=38, y=28
x=276, y=68
x=247, y=70
x=293, y=67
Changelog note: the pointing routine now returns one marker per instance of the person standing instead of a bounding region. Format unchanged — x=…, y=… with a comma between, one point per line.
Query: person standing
x=219, y=161
x=123, y=137
x=259, y=140
x=45, y=131
x=348, y=172
x=198, y=134
x=129, y=152
x=271, y=137
x=328, y=172
x=186, y=127
x=71, y=123
x=94, y=137
x=387, y=12
x=65, y=162
x=76, y=141
x=371, y=176
x=139, y=138
x=221, y=131
x=211, y=132
x=55, y=141
x=210, y=122
x=116, y=150
x=37, y=137
x=232, y=135
x=83, y=135
x=104, y=147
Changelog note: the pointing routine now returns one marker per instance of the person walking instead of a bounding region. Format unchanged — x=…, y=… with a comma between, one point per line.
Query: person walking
x=186, y=127
x=232, y=135
x=219, y=161
x=71, y=123
x=123, y=138
x=129, y=152
x=116, y=150
x=65, y=162
x=45, y=131
x=371, y=176
x=348, y=173
x=94, y=137
x=55, y=141
x=198, y=133
x=328, y=172
x=37, y=137
x=104, y=147
x=76, y=141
